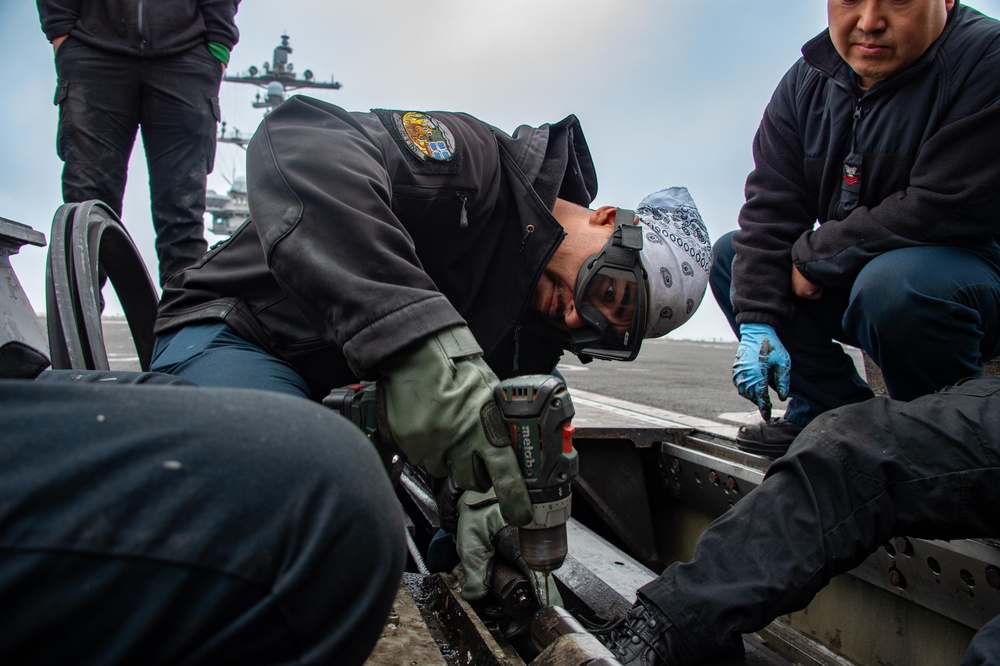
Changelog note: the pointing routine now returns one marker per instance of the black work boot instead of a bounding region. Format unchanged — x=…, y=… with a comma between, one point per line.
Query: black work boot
x=769, y=438
x=644, y=637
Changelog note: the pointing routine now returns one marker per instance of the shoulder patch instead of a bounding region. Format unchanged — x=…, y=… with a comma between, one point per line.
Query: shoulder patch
x=427, y=137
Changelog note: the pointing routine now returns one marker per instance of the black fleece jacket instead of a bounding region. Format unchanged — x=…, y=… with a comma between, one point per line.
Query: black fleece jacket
x=148, y=28
x=928, y=138
x=357, y=248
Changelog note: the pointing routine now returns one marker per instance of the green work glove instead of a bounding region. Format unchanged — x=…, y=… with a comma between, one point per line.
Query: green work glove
x=437, y=404
x=482, y=532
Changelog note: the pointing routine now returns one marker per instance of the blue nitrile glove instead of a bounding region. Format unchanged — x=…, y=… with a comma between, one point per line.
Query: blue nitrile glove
x=761, y=360
x=483, y=534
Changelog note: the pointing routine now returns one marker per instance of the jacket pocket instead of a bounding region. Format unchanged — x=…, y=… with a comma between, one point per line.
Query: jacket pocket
x=62, y=132
x=62, y=91
x=444, y=208
x=981, y=387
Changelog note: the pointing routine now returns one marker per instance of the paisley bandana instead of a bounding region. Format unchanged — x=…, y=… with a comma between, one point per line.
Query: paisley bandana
x=677, y=255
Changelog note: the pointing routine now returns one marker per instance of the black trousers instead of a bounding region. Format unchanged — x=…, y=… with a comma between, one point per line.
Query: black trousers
x=149, y=524
x=104, y=98
x=853, y=479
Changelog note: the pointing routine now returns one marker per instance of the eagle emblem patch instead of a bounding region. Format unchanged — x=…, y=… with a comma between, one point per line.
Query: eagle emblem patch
x=427, y=137
x=850, y=174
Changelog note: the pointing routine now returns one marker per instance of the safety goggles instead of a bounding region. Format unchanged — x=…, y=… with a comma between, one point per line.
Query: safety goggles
x=610, y=296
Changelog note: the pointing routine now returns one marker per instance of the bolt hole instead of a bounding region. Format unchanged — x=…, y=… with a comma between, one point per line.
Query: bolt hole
x=697, y=478
x=967, y=577
x=934, y=565
x=897, y=578
x=889, y=549
x=993, y=576
x=903, y=546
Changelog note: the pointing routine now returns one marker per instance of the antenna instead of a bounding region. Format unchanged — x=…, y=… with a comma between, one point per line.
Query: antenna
x=278, y=77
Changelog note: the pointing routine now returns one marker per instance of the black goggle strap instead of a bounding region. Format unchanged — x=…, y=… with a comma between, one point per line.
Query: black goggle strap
x=620, y=254
x=621, y=251
x=631, y=234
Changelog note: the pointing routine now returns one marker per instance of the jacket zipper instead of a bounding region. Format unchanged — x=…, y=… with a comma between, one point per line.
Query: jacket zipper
x=528, y=230
x=517, y=347
x=854, y=125
x=142, y=37
x=463, y=218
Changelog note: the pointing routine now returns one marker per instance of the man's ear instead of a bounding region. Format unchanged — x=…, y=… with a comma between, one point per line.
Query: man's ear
x=604, y=216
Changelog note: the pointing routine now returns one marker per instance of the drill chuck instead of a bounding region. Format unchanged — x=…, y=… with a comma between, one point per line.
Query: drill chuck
x=538, y=411
x=544, y=550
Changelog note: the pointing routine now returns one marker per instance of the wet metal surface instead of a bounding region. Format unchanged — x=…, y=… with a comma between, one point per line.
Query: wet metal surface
x=461, y=636
x=405, y=640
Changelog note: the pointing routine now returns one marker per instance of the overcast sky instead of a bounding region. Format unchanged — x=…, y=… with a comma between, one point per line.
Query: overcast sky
x=669, y=93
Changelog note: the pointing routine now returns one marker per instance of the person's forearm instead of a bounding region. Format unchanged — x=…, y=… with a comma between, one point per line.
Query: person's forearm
x=951, y=199
x=220, y=21
x=57, y=18
x=775, y=214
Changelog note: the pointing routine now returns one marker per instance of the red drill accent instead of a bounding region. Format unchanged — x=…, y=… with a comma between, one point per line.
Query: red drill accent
x=568, y=431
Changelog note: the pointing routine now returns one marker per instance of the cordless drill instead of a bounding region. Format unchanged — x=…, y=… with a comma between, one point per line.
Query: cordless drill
x=357, y=403
x=537, y=409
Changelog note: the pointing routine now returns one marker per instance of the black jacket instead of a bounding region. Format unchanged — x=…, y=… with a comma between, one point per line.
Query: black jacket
x=929, y=136
x=142, y=27
x=356, y=248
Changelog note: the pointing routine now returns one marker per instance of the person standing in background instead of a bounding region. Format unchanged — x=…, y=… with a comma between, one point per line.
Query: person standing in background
x=152, y=66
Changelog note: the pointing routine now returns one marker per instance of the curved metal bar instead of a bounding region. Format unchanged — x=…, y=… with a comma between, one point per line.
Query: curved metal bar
x=136, y=291
x=60, y=287
x=87, y=238
x=85, y=265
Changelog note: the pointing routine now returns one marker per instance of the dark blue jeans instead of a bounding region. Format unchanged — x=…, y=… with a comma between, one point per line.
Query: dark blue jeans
x=104, y=98
x=927, y=316
x=985, y=647
x=854, y=478
x=151, y=524
x=213, y=355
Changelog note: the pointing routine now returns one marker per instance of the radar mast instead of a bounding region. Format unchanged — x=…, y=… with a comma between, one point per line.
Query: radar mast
x=277, y=78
